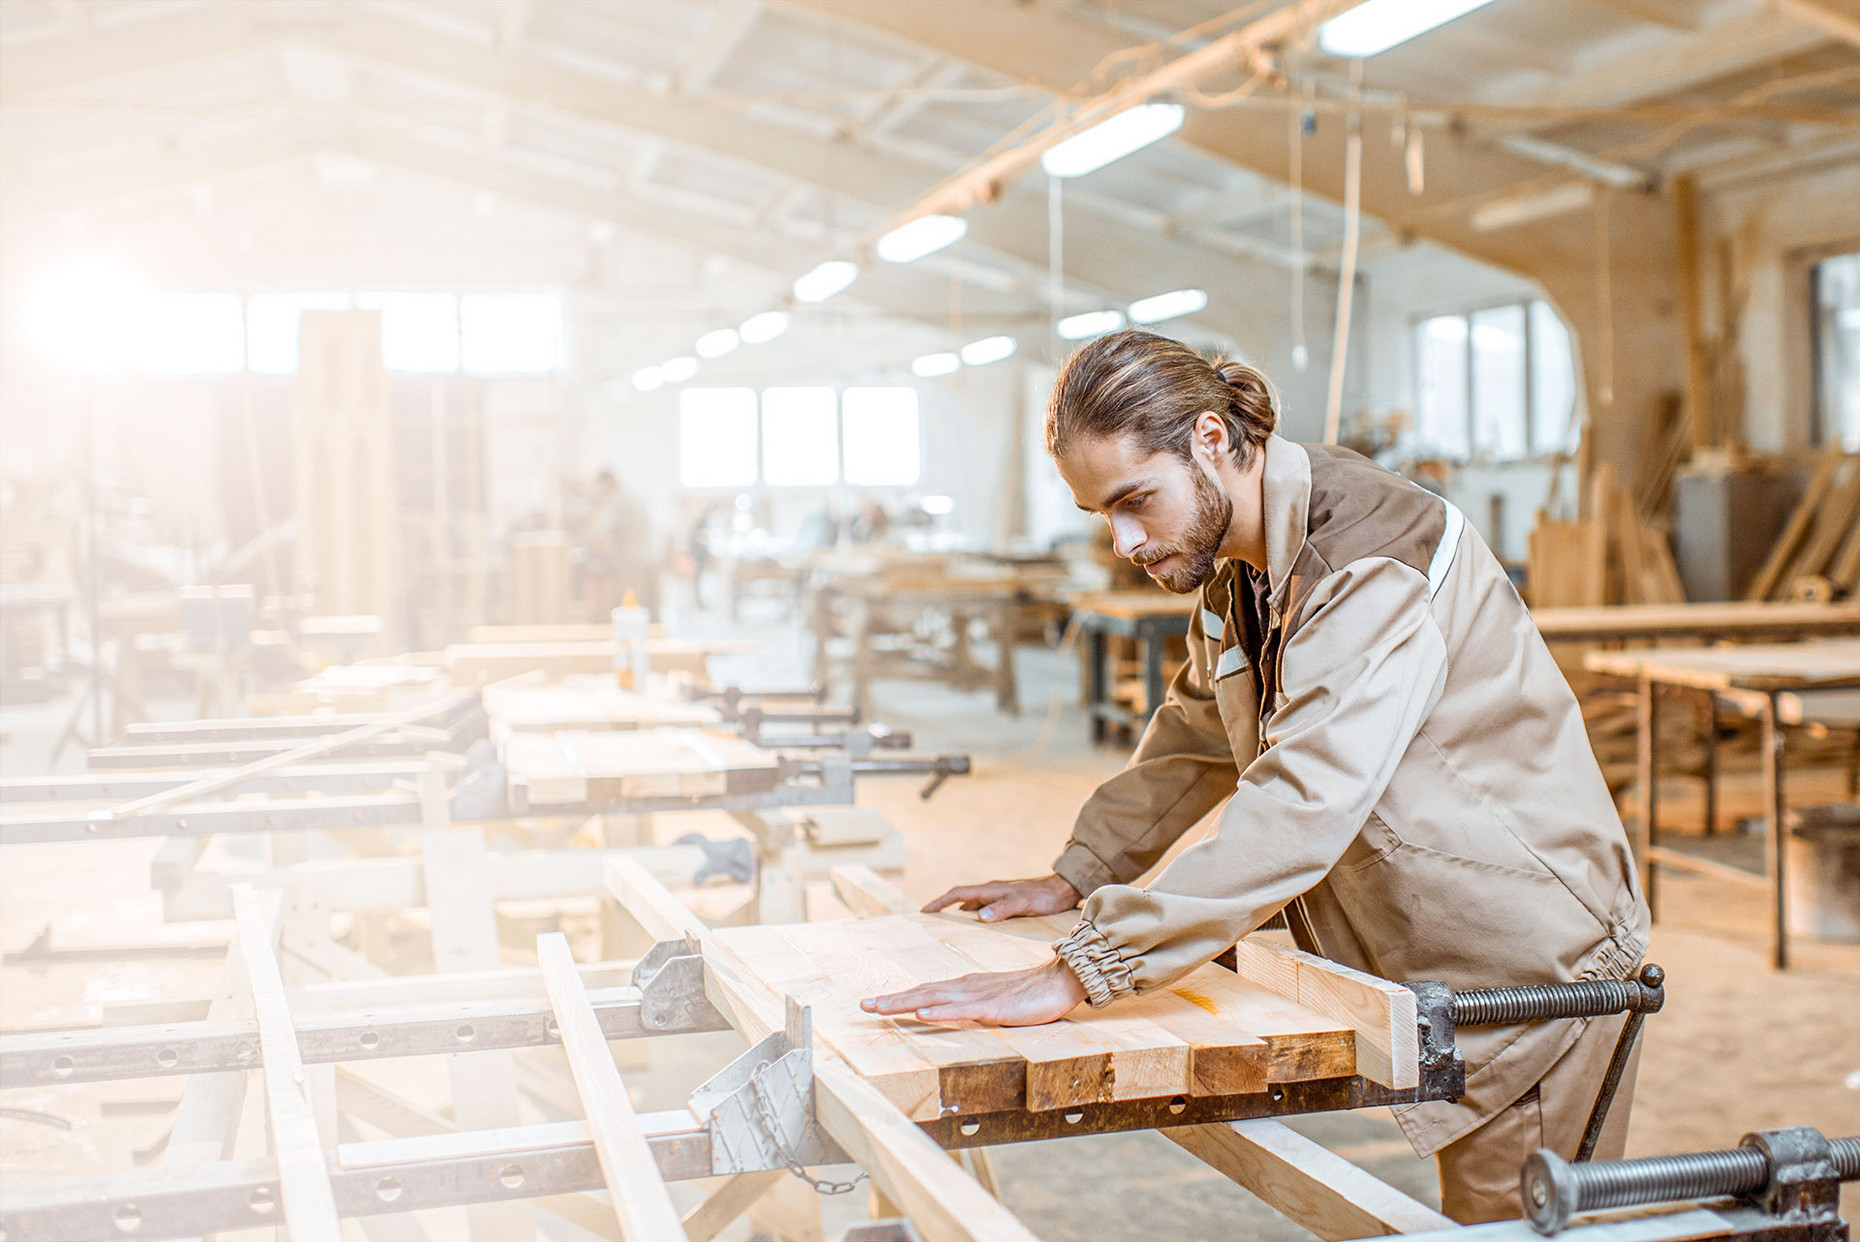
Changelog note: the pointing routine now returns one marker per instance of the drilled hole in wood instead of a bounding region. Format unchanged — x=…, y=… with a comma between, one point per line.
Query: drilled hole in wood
x=1179, y=1104
x=63, y=1066
x=466, y=1033
x=167, y=1058
x=370, y=1040
x=264, y=1200
x=552, y=1030
x=1278, y=1095
x=387, y=1189
x=1074, y=1116
x=128, y=1218
x=511, y=1176
x=970, y=1128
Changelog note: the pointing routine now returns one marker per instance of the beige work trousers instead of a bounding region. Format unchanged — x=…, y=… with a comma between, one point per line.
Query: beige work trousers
x=1479, y=1173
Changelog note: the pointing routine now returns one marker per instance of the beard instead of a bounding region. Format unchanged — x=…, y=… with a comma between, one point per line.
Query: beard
x=1200, y=543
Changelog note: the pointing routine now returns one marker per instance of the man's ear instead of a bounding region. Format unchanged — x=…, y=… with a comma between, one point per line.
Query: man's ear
x=1210, y=437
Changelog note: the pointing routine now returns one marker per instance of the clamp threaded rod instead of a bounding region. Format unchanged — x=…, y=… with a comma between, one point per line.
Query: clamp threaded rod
x=1541, y=1002
x=1555, y=1189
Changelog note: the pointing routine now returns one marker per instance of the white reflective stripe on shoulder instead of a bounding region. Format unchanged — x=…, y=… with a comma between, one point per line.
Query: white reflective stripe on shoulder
x=1232, y=661
x=1449, y=546
x=1211, y=624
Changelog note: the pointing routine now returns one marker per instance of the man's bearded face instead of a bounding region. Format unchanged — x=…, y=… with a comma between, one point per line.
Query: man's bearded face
x=1167, y=514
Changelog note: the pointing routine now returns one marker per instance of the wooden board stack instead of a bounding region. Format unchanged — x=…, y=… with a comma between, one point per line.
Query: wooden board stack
x=1284, y=1017
x=585, y=703
x=581, y=767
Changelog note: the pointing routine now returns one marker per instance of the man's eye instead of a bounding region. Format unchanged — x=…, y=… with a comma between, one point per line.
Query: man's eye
x=1134, y=503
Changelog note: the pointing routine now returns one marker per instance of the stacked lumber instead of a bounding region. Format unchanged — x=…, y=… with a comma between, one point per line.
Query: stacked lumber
x=1817, y=556
x=1611, y=556
x=1284, y=1017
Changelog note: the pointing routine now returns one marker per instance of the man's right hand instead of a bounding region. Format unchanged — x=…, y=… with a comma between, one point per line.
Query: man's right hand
x=1007, y=899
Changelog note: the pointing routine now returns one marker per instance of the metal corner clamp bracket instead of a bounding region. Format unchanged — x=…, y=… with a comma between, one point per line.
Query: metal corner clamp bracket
x=760, y=1108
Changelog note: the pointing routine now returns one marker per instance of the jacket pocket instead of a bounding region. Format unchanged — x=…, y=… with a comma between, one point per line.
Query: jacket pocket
x=1374, y=843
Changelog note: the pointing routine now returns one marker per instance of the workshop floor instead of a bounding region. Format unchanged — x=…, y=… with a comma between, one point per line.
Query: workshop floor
x=1738, y=1047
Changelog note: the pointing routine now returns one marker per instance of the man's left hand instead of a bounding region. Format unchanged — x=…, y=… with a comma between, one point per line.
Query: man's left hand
x=1003, y=998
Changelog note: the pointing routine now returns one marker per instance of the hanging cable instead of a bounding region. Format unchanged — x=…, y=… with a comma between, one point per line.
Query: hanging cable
x=1055, y=256
x=1346, y=276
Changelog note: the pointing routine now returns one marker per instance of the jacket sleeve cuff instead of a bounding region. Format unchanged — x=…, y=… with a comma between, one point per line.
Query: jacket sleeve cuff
x=1104, y=975
x=1081, y=868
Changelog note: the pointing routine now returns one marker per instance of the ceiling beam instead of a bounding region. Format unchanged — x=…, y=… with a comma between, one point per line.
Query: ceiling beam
x=1105, y=258
x=1824, y=16
x=1035, y=45
x=902, y=293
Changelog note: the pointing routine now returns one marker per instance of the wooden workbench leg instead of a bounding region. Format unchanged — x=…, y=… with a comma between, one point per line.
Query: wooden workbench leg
x=1152, y=675
x=1646, y=785
x=1098, y=681
x=1007, y=692
x=1775, y=811
x=1711, y=763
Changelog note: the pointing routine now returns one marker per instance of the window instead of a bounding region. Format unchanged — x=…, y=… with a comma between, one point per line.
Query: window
x=419, y=331
x=511, y=333
x=271, y=327
x=880, y=429
x=194, y=334
x=800, y=437
x=1497, y=382
x=1837, y=351
x=717, y=437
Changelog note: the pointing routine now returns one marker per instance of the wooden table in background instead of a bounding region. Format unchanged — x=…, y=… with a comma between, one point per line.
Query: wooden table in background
x=1741, y=622
x=1759, y=679
x=1151, y=618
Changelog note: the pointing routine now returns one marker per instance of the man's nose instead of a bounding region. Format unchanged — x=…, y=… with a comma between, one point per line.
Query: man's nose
x=1126, y=536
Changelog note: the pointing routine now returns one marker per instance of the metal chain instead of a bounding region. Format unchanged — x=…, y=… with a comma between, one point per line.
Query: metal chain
x=766, y=1115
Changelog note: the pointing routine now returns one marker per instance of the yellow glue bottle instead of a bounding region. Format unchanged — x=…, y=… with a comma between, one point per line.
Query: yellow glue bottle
x=631, y=623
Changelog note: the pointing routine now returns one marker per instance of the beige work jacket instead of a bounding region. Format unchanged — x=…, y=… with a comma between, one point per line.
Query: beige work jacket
x=1400, y=758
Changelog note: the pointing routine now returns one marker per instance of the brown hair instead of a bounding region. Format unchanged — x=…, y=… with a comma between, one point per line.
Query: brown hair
x=1137, y=383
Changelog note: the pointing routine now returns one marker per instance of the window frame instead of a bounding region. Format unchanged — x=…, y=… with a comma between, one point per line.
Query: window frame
x=1466, y=312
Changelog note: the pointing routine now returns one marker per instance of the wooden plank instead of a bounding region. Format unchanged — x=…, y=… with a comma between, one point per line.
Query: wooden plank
x=587, y=703
x=865, y=892
x=943, y=1201
x=1822, y=664
x=640, y=1198
x=1384, y=1015
x=1092, y=1055
x=727, y=1202
x=1725, y=620
x=1832, y=526
x=1319, y=1189
x=576, y=767
x=1784, y=549
x=309, y=1204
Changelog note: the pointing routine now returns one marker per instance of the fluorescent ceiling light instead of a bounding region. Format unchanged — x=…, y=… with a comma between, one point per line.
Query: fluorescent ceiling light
x=932, y=365
x=717, y=344
x=1378, y=25
x=1130, y=130
x=988, y=349
x=764, y=327
x=826, y=280
x=1091, y=323
x=1504, y=213
x=648, y=378
x=678, y=370
x=1171, y=305
x=913, y=240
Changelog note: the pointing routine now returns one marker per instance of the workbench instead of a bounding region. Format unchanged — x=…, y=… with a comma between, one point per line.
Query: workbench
x=1151, y=619
x=1210, y=1064
x=908, y=615
x=1775, y=684
x=1706, y=622
x=474, y=664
